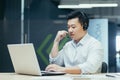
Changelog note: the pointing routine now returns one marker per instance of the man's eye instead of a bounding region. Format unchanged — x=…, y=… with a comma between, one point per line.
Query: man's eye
x=73, y=27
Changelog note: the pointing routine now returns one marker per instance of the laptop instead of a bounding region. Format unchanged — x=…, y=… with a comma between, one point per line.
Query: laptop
x=25, y=61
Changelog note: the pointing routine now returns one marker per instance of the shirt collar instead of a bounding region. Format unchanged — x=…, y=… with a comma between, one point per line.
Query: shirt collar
x=82, y=41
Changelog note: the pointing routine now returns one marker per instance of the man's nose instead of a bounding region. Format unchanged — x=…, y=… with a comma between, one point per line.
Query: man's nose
x=70, y=29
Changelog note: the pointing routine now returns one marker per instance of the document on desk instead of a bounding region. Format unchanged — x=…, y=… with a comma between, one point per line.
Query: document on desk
x=95, y=77
x=113, y=75
x=88, y=77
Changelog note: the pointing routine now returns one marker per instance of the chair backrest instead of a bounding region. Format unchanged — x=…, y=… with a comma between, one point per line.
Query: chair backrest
x=104, y=67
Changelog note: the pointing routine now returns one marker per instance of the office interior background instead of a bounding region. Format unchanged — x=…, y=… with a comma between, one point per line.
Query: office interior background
x=37, y=22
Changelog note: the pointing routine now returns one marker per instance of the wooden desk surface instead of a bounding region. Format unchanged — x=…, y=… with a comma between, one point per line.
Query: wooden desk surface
x=13, y=76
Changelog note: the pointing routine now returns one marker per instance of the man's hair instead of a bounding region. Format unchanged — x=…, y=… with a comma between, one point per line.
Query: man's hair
x=83, y=18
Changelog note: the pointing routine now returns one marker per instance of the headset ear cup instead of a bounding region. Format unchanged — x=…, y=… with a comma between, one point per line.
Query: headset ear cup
x=85, y=27
x=84, y=19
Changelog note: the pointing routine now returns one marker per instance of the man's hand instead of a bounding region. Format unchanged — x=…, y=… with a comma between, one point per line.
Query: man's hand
x=54, y=67
x=69, y=70
x=60, y=35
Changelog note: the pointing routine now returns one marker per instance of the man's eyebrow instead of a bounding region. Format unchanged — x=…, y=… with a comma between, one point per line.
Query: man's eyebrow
x=72, y=25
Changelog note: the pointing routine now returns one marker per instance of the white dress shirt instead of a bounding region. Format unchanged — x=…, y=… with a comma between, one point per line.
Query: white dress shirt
x=87, y=54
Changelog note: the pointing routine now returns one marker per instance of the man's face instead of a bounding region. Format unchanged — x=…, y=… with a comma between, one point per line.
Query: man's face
x=75, y=29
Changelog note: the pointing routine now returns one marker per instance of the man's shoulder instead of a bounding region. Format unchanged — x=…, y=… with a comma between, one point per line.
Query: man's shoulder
x=94, y=41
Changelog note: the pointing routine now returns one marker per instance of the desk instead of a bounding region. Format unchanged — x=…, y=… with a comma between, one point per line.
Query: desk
x=13, y=76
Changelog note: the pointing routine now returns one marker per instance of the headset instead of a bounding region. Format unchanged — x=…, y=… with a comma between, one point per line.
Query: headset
x=85, y=21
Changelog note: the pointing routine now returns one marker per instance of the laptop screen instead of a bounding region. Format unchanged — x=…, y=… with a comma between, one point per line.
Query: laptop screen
x=24, y=58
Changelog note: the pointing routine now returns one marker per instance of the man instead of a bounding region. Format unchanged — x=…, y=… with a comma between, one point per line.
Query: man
x=83, y=54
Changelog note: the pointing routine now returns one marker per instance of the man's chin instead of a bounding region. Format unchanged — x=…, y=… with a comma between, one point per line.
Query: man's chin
x=72, y=38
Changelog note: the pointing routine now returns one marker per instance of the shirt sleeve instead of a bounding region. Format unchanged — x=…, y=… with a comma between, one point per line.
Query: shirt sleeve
x=58, y=59
x=94, y=60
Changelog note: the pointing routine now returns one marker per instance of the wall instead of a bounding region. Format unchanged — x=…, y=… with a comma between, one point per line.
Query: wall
x=2, y=3
x=11, y=32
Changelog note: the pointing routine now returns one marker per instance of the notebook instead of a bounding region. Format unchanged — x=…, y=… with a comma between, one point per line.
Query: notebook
x=25, y=61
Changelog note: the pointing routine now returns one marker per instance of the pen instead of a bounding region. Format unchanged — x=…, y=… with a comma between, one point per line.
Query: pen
x=108, y=75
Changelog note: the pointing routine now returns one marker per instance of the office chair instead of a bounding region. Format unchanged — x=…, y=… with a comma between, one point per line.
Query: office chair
x=104, y=67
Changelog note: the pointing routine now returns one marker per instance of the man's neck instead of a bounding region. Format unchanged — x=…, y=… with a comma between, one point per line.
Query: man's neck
x=76, y=41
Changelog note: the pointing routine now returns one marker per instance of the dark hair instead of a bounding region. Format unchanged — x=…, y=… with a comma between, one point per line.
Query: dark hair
x=83, y=19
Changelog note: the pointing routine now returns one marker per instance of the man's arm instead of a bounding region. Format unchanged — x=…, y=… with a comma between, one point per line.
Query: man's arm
x=73, y=70
x=69, y=70
x=60, y=35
